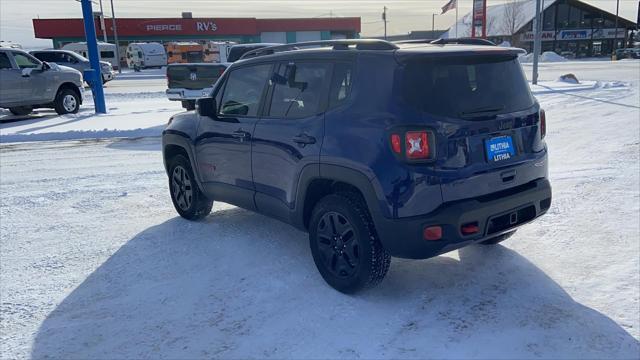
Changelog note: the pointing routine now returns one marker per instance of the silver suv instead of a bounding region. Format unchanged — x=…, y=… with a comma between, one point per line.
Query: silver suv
x=29, y=83
x=75, y=61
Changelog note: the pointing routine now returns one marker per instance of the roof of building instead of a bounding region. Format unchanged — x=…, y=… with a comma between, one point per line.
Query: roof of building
x=496, y=19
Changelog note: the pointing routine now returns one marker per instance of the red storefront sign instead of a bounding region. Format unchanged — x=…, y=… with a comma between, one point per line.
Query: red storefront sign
x=478, y=21
x=52, y=28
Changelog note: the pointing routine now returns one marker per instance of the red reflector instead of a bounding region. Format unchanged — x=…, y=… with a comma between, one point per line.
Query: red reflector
x=469, y=229
x=417, y=145
x=432, y=233
x=543, y=124
x=395, y=143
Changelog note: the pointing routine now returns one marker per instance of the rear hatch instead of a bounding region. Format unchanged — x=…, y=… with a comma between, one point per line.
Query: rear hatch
x=485, y=121
x=193, y=76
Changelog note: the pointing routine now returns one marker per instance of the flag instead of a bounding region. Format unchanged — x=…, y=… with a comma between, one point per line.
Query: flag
x=452, y=4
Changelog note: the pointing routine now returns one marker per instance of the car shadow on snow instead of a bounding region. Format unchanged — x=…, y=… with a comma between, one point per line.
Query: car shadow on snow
x=240, y=285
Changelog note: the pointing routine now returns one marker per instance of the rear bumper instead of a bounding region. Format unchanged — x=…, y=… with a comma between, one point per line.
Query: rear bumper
x=494, y=214
x=108, y=76
x=187, y=94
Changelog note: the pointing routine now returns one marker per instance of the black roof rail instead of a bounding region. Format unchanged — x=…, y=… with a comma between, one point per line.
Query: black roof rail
x=414, y=41
x=343, y=44
x=463, y=41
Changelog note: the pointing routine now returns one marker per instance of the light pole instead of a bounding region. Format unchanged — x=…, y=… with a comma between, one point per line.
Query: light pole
x=433, y=23
x=115, y=36
x=615, y=37
x=536, y=42
x=93, y=76
x=384, y=18
x=104, y=28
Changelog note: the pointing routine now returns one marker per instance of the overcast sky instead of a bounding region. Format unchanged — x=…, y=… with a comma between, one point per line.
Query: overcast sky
x=403, y=15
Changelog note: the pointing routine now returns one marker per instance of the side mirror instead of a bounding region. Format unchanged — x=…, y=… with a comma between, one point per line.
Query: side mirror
x=45, y=66
x=207, y=107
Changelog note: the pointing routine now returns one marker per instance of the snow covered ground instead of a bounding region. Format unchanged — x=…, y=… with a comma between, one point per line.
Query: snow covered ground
x=95, y=262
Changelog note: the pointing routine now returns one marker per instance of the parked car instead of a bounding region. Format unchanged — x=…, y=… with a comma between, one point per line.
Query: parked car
x=236, y=51
x=75, y=61
x=107, y=52
x=29, y=83
x=217, y=51
x=190, y=82
x=146, y=55
x=375, y=149
x=628, y=53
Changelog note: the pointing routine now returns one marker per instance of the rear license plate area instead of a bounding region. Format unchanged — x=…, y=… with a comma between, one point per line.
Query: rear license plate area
x=499, y=148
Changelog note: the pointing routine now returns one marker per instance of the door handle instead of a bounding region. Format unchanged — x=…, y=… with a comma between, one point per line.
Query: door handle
x=239, y=134
x=304, y=139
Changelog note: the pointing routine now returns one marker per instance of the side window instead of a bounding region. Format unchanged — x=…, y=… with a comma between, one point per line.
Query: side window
x=107, y=54
x=340, y=84
x=23, y=61
x=139, y=54
x=4, y=61
x=243, y=90
x=299, y=90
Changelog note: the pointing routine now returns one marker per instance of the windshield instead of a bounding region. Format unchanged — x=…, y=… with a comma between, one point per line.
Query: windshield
x=466, y=87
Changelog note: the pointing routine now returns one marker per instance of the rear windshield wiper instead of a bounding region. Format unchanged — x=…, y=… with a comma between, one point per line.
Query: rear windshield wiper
x=481, y=112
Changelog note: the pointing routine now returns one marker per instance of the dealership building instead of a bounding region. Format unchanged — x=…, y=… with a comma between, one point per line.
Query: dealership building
x=186, y=28
x=571, y=28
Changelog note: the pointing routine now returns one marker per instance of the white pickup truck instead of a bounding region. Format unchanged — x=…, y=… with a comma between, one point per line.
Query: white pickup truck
x=190, y=82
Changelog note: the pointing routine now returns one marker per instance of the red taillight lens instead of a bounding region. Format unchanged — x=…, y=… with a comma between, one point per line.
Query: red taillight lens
x=543, y=124
x=417, y=145
x=470, y=228
x=432, y=233
x=396, y=144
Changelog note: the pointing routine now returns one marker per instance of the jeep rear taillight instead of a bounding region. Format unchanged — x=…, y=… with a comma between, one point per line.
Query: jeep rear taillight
x=396, y=144
x=417, y=145
x=413, y=145
x=543, y=124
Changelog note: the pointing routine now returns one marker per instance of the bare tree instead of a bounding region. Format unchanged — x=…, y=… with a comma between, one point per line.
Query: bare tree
x=512, y=20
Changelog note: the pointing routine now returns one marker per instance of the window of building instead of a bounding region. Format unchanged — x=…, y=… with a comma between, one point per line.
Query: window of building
x=575, y=15
x=549, y=18
x=300, y=92
x=563, y=16
x=585, y=20
x=243, y=90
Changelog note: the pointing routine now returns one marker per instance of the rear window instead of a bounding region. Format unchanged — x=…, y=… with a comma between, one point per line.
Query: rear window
x=107, y=54
x=466, y=87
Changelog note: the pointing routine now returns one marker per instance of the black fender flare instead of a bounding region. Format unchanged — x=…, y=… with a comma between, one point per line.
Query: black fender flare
x=182, y=140
x=338, y=173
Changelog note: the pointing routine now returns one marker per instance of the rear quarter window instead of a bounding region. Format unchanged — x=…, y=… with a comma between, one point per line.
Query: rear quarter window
x=459, y=86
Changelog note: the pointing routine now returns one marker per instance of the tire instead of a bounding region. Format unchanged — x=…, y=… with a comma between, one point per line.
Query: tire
x=349, y=256
x=189, y=104
x=186, y=197
x=21, y=110
x=498, y=239
x=67, y=102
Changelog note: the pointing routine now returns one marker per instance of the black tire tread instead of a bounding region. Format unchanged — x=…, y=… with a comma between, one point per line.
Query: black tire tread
x=202, y=204
x=381, y=260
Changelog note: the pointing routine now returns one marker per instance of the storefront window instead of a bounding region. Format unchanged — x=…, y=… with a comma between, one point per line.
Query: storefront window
x=563, y=16
x=574, y=17
x=585, y=22
x=549, y=18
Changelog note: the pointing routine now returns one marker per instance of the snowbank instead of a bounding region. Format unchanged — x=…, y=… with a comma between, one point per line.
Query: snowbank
x=547, y=56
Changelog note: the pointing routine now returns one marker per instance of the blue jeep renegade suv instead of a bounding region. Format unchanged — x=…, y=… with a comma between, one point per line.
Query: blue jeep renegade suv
x=375, y=149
